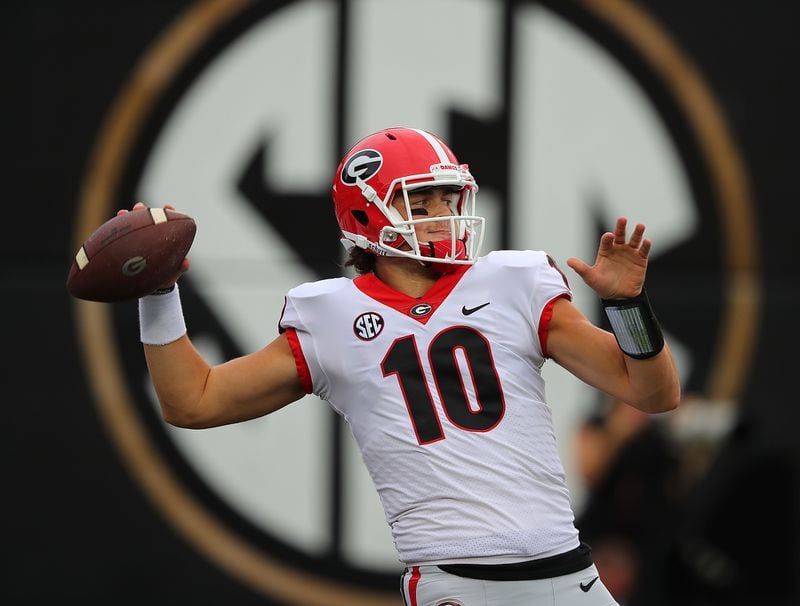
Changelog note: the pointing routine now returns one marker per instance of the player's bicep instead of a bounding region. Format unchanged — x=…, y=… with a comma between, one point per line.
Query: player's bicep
x=588, y=352
x=253, y=385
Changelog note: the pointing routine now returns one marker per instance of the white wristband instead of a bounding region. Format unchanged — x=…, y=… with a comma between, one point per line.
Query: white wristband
x=161, y=318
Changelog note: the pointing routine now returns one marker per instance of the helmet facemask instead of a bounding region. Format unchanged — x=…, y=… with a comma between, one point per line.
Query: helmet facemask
x=466, y=228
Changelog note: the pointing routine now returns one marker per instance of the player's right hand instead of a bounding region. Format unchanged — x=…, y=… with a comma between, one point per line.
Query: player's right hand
x=184, y=264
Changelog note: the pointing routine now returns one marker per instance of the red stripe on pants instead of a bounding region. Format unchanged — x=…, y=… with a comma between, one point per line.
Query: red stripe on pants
x=412, y=585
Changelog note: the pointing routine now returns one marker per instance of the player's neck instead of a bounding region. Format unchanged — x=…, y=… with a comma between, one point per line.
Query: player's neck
x=407, y=276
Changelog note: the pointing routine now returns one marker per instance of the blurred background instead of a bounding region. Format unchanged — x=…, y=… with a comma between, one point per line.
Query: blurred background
x=678, y=114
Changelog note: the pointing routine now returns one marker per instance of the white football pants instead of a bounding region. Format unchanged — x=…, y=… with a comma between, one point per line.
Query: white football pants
x=431, y=586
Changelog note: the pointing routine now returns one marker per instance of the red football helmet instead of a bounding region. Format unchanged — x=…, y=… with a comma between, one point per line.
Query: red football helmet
x=402, y=160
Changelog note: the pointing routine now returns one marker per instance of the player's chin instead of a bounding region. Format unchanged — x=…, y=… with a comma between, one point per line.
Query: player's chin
x=436, y=236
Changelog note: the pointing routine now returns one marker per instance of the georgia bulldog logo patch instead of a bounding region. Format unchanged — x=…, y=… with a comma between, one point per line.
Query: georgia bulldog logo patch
x=215, y=121
x=421, y=310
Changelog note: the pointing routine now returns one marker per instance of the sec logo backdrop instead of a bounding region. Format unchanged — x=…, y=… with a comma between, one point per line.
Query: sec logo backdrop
x=569, y=114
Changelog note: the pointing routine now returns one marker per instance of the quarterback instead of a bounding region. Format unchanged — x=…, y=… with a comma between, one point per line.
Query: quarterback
x=433, y=356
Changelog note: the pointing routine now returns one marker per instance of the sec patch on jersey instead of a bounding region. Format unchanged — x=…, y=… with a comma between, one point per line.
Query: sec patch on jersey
x=131, y=255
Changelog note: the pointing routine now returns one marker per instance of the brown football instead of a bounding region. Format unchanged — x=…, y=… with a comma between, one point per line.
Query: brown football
x=131, y=255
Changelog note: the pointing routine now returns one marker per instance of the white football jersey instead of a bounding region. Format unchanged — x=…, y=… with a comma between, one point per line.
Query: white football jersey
x=445, y=398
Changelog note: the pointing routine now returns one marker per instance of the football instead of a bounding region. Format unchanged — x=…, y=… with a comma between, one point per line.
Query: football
x=131, y=255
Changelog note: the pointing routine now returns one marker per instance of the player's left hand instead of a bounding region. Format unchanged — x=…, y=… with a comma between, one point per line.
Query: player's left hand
x=621, y=264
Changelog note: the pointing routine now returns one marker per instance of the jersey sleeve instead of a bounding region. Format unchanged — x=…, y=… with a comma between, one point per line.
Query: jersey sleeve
x=551, y=285
x=537, y=283
x=302, y=344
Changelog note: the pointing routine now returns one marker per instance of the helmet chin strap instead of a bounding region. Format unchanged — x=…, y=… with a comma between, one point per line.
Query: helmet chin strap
x=369, y=193
x=443, y=249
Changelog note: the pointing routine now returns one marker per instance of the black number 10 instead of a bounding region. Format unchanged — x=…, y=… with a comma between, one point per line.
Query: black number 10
x=403, y=360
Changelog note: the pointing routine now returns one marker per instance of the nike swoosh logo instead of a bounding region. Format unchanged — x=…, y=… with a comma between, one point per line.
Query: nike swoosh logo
x=468, y=311
x=586, y=587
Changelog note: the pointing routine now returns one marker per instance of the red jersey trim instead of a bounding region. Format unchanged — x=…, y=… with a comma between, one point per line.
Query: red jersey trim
x=544, y=321
x=373, y=287
x=299, y=360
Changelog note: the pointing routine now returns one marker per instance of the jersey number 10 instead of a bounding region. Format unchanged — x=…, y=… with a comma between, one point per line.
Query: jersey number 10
x=463, y=371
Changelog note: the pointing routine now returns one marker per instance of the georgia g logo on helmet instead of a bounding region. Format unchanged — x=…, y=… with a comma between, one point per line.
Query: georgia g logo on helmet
x=362, y=165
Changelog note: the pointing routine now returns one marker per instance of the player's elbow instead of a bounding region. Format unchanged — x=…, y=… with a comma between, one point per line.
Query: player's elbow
x=185, y=418
x=666, y=404
x=667, y=398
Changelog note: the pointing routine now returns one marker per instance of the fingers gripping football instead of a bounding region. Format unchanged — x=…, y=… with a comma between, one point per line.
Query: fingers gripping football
x=132, y=254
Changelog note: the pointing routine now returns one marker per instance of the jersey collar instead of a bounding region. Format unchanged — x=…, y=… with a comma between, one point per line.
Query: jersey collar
x=374, y=288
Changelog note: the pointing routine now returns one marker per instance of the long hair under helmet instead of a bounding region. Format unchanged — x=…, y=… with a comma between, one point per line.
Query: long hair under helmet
x=404, y=160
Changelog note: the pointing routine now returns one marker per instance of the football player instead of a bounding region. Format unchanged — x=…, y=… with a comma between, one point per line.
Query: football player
x=433, y=355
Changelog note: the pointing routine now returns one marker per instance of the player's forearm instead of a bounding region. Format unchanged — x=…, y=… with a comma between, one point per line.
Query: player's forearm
x=179, y=375
x=649, y=365
x=654, y=382
x=592, y=354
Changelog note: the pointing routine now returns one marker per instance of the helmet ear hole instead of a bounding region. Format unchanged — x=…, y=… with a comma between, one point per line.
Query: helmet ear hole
x=361, y=217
